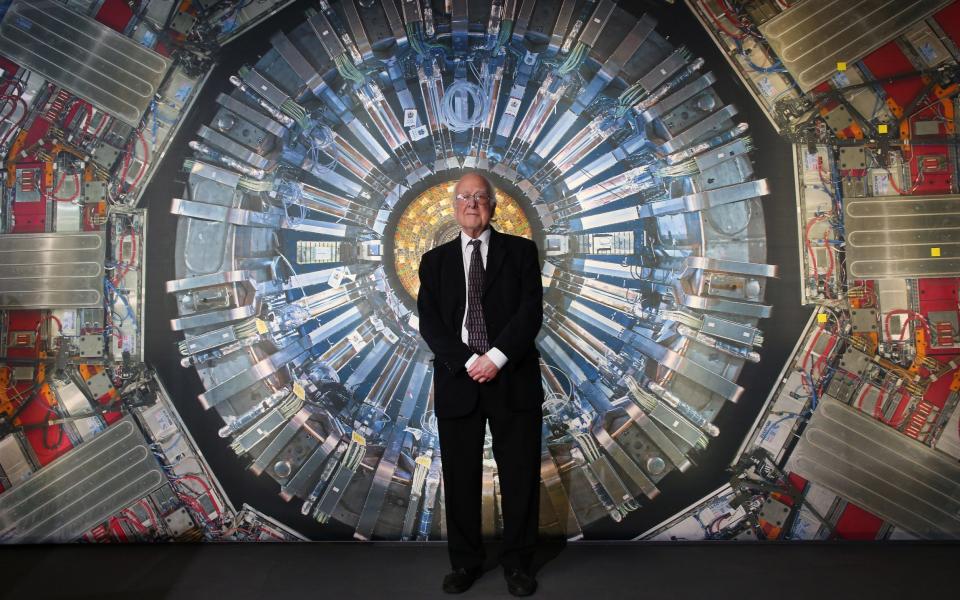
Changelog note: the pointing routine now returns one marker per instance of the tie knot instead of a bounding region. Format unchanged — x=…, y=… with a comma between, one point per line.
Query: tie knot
x=475, y=244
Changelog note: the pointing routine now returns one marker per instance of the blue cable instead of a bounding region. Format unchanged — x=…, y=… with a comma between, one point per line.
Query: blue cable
x=130, y=313
x=776, y=67
x=814, y=400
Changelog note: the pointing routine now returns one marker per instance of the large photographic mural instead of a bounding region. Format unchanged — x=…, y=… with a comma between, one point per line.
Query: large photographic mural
x=261, y=345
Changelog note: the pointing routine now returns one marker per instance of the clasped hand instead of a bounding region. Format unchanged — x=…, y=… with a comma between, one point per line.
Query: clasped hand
x=483, y=369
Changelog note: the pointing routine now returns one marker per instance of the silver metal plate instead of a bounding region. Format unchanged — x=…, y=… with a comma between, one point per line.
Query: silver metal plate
x=812, y=36
x=82, y=488
x=51, y=270
x=902, y=237
x=881, y=470
x=110, y=70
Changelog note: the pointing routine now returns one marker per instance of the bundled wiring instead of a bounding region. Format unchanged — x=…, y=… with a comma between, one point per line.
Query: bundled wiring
x=348, y=70
x=419, y=44
x=460, y=89
x=574, y=59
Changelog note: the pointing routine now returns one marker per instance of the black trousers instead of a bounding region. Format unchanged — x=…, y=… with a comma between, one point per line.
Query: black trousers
x=516, y=448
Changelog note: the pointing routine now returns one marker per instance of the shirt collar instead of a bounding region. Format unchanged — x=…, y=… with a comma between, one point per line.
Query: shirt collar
x=483, y=237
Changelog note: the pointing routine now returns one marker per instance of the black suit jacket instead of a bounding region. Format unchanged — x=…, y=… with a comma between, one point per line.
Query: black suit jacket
x=512, y=302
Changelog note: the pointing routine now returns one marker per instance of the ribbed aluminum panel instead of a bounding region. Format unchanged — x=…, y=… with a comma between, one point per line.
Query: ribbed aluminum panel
x=82, y=488
x=902, y=237
x=881, y=470
x=812, y=36
x=110, y=70
x=51, y=270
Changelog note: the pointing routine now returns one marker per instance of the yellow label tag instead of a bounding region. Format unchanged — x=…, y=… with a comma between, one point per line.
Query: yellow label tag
x=934, y=251
x=841, y=66
x=298, y=390
x=822, y=318
x=262, y=327
x=423, y=460
x=882, y=128
x=356, y=437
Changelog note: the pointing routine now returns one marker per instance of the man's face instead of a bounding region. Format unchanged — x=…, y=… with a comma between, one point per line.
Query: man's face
x=471, y=215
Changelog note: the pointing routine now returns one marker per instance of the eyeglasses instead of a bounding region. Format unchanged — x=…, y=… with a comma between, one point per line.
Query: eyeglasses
x=481, y=198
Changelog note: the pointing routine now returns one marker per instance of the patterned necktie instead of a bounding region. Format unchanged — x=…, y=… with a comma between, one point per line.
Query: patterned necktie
x=476, y=325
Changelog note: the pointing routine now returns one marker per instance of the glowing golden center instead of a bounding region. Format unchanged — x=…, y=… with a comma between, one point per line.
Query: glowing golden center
x=429, y=221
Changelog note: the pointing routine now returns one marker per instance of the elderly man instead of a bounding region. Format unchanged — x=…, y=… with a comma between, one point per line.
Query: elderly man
x=481, y=306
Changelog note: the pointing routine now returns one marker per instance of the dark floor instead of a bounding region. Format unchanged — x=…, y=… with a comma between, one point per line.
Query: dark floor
x=583, y=570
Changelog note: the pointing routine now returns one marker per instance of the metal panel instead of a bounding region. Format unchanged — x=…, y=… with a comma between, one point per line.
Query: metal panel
x=563, y=21
x=626, y=463
x=356, y=27
x=393, y=17
x=459, y=17
x=686, y=367
x=82, y=488
x=731, y=266
x=297, y=62
x=591, y=31
x=51, y=270
x=327, y=35
x=706, y=199
x=309, y=472
x=13, y=460
x=110, y=70
x=902, y=237
x=678, y=97
x=712, y=124
x=881, y=470
x=411, y=11
x=231, y=147
x=657, y=436
x=667, y=67
x=522, y=21
x=286, y=434
x=259, y=371
x=812, y=36
x=389, y=460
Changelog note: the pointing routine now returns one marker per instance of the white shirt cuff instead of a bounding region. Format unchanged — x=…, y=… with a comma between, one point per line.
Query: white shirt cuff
x=498, y=358
x=471, y=359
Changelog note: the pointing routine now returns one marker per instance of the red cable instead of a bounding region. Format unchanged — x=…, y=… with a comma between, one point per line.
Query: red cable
x=737, y=21
x=720, y=26
x=806, y=240
x=129, y=516
x=76, y=191
x=19, y=122
x=36, y=331
x=133, y=257
x=146, y=158
x=152, y=515
x=826, y=277
x=143, y=163
x=822, y=359
x=913, y=316
x=813, y=343
x=206, y=488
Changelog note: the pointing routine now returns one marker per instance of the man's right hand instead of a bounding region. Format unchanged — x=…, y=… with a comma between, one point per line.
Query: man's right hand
x=483, y=369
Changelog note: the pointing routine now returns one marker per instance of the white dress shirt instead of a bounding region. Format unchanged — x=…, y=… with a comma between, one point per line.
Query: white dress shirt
x=495, y=355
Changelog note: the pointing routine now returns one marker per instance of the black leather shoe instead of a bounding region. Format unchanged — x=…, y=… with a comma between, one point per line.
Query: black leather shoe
x=519, y=582
x=461, y=579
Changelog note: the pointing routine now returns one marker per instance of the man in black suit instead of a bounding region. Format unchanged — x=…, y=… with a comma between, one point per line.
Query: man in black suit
x=480, y=307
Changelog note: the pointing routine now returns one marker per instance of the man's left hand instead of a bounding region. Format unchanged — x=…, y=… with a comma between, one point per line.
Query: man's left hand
x=483, y=369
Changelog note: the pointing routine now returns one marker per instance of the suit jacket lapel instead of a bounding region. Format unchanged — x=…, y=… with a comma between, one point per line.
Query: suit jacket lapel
x=454, y=267
x=495, y=256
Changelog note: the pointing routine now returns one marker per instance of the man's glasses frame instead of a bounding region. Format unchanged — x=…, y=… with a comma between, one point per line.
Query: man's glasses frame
x=480, y=198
